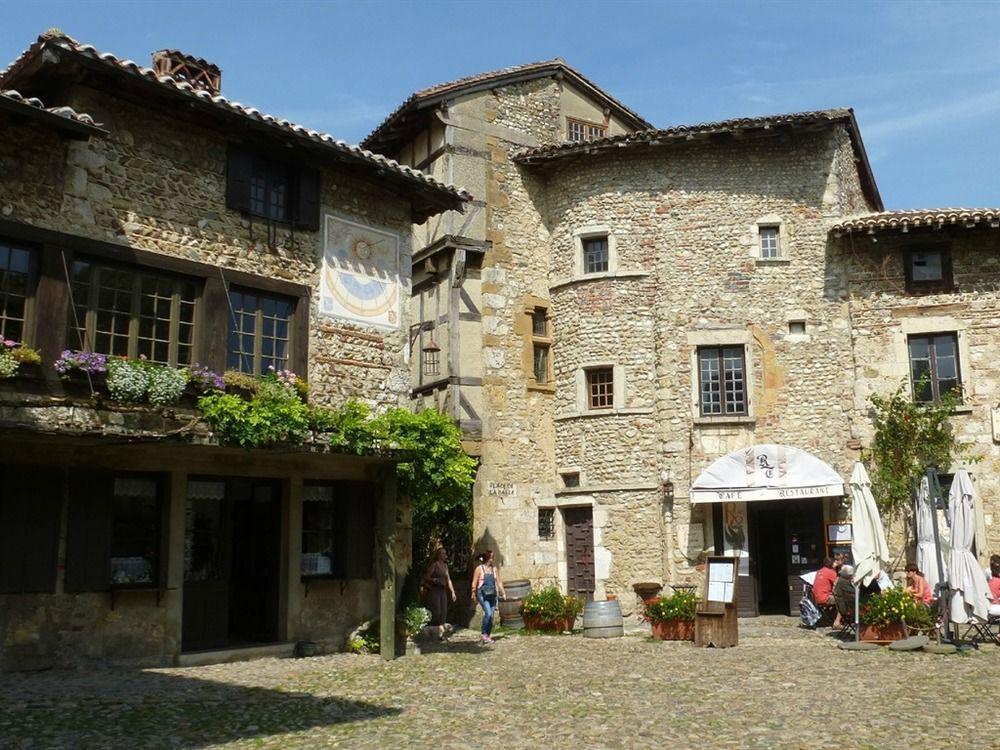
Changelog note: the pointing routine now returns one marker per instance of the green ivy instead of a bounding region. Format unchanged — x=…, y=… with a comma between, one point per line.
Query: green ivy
x=908, y=438
x=275, y=414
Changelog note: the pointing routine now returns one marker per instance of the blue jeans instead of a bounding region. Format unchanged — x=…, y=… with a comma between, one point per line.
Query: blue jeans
x=489, y=605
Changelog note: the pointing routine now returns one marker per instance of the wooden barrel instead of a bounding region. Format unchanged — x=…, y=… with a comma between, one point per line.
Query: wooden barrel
x=518, y=589
x=510, y=613
x=603, y=620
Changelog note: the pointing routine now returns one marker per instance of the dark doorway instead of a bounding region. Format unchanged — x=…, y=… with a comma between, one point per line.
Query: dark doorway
x=786, y=540
x=231, y=563
x=580, y=551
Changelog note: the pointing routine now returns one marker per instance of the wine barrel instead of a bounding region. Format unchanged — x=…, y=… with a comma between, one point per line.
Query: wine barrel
x=518, y=589
x=510, y=613
x=603, y=620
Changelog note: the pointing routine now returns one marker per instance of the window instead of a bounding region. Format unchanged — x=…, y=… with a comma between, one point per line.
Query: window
x=338, y=530
x=934, y=368
x=571, y=479
x=600, y=388
x=770, y=242
x=928, y=269
x=259, y=332
x=114, y=531
x=135, y=531
x=541, y=344
x=546, y=523
x=272, y=189
x=722, y=381
x=131, y=313
x=579, y=131
x=30, y=512
x=595, y=255
x=15, y=275
x=797, y=327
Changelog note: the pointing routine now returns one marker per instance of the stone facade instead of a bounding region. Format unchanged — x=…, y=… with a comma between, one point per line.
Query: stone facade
x=683, y=219
x=152, y=192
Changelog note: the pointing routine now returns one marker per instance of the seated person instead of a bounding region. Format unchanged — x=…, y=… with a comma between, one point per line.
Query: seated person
x=916, y=584
x=994, y=583
x=843, y=593
x=823, y=584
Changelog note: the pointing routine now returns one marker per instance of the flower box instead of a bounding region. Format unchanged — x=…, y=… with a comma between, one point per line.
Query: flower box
x=674, y=630
x=894, y=631
x=560, y=624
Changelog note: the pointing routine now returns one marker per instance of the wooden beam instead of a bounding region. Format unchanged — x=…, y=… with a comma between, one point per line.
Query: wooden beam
x=387, y=566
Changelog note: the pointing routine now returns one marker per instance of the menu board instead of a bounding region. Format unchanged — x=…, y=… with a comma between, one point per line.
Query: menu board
x=721, y=579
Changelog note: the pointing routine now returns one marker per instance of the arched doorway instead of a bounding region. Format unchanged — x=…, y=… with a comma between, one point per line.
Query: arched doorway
x=768, y=509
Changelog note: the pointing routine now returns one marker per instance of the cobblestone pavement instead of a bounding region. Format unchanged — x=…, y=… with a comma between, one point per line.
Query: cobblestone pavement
x=528, y=692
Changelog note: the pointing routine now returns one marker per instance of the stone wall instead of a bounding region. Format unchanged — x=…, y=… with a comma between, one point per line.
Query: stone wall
x=883, y=314
x=157, y=183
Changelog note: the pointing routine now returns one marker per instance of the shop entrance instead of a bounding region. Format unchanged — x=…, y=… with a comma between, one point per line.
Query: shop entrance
x=231, y=563
x=786, y=540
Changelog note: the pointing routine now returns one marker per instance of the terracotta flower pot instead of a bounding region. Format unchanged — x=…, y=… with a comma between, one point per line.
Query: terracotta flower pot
x=883, y=633
x=674, y=630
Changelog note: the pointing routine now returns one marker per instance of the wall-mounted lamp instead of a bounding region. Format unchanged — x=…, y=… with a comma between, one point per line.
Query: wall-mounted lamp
x=432, y=358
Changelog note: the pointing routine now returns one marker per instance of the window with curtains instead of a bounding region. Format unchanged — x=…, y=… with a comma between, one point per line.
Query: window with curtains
x=15, y=285
x=260, y=328
x=934, y=366
x=131, y=312
x=722, y=381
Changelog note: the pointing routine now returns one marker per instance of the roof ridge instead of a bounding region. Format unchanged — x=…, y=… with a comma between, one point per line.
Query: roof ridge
x=33, y=101
x=58, y=38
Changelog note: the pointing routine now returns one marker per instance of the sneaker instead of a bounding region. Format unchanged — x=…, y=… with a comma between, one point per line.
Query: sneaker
x=488, y=639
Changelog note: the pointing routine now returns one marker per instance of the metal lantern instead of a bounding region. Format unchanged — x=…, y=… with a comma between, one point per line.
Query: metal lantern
x=432, y=358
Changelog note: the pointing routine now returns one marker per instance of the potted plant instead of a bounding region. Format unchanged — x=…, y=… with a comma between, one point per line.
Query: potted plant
x=884, y=616
x=549, y=610
x=672, y=617
x=18, y=360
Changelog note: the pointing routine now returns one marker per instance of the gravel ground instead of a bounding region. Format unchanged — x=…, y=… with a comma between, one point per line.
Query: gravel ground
x=528, y=692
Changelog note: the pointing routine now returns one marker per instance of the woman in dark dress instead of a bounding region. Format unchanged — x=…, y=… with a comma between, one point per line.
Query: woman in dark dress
x=437, y=585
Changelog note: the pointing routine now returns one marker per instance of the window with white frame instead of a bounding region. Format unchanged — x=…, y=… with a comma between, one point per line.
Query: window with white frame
x=596, y=255
x=769, y=237
x=722, y=381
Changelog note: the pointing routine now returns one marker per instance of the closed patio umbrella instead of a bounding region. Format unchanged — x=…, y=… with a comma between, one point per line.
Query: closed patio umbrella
x=966, y=577
x=927, y=559
x=871, y=553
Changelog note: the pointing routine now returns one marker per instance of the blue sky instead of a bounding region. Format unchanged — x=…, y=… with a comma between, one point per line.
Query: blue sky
x=923, y=78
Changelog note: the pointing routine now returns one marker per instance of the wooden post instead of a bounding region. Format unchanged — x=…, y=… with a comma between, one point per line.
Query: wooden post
x=387, y=564
x=290, y=590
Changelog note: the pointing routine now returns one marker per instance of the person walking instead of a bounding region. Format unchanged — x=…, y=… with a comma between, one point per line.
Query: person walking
x=486, y=584
x=437, y=587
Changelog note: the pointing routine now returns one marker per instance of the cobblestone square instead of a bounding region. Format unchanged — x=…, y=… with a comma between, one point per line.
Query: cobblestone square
x=527, y=692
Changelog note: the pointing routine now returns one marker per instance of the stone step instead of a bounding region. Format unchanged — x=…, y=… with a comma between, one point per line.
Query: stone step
x=237, y=653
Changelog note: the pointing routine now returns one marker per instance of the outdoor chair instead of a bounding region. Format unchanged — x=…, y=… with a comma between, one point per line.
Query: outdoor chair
x=979, y=631
x=845, y=607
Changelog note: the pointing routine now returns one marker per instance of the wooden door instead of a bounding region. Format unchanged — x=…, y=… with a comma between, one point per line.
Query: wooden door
x=207, y=561
x=256, y=545
x=580, y=551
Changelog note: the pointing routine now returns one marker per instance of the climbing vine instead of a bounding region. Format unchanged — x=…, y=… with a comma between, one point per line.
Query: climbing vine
x=908, y=438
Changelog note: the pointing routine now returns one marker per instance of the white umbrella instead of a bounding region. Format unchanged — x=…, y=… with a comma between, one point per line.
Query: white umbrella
x=871, y=553
x=966, y=577
x=927, y=559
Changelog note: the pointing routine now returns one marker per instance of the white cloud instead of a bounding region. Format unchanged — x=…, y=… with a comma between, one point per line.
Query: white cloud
x=949, y=113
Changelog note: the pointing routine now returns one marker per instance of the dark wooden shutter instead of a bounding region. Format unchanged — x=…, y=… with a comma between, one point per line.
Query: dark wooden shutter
x=239, y=169
x=307, y=199
x=30, y=516
x=88, y=533
x=354, y=530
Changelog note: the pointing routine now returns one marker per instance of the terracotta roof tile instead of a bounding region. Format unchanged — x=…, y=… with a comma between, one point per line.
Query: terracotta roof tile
x=57, y=39
x=917, y=218
x=68, y=112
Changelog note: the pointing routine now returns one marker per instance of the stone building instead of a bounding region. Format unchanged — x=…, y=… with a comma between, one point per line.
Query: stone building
x=641, y=329
x=172, y=224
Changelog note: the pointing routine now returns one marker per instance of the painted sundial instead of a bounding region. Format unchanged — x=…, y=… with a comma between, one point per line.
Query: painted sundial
x=360, y=276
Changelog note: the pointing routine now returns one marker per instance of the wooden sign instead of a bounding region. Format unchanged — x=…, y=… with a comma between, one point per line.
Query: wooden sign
x=715, y=621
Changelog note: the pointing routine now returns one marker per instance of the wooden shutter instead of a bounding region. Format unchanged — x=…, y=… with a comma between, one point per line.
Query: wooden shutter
x=307, y=199
x=88, y=533
x=354, y=535
x=239, y=169
x=30, y=515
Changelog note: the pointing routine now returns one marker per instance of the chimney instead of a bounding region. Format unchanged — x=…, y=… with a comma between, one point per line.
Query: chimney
x=200, y=73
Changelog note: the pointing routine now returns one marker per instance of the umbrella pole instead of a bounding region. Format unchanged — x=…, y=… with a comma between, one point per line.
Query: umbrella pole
x=943, y=587
x=857, y=600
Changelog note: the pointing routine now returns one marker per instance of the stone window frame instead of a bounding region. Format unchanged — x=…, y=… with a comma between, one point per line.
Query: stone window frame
x=594, y=231
x=929, y=326
x=784, y=240
x=797, y=316
x=546, y=523
x=722, y=337
x=617, y=386
x=531, y=305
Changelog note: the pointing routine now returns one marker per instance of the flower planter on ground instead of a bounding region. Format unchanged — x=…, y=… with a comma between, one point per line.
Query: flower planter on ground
x=883, y=633
x=674, y=630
